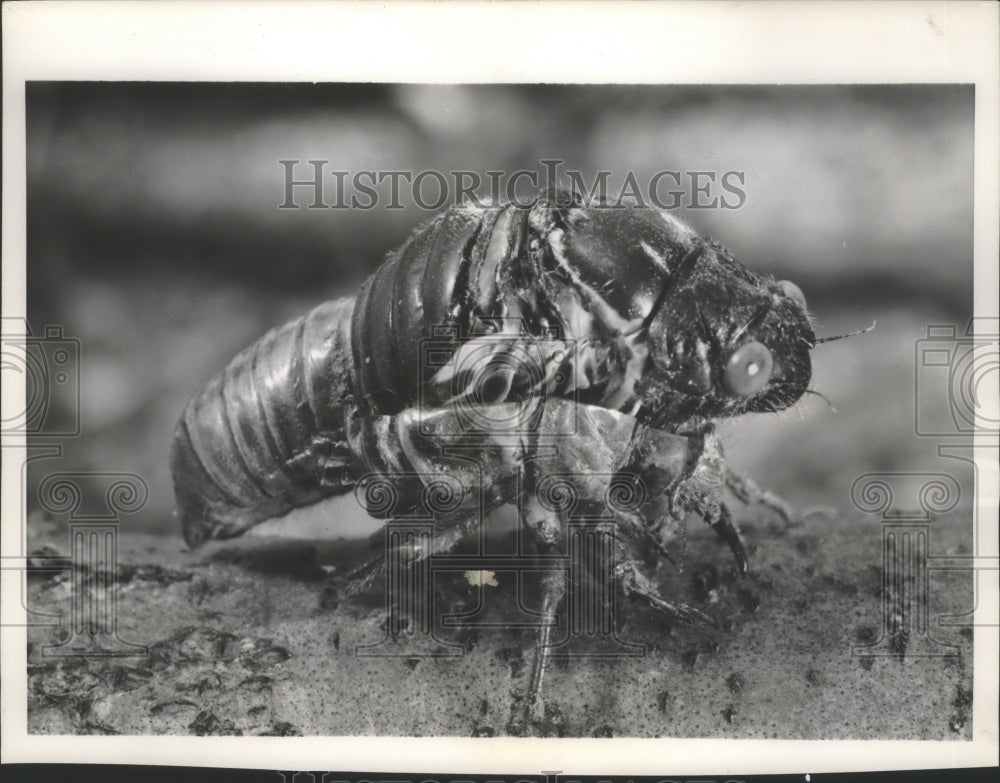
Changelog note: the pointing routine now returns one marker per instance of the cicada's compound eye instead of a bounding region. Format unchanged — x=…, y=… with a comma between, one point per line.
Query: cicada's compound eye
x=747, y=370
x=793, y=292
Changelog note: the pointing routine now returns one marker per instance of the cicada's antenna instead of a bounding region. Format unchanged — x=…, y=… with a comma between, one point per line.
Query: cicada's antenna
x=820, y=340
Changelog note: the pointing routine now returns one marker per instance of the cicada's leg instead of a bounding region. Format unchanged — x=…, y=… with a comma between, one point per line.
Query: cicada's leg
x=364, y=577
x=637, y=586
x=634, y=524
x=747, y=492
x=707, y=504
x=725, y=529
x=553, y=595
x=545, y=528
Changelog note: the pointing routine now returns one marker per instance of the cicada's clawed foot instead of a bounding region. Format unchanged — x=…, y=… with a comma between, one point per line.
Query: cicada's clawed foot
x=529, y=711
x=635, y=585
x=747, y=492
x=725, y=530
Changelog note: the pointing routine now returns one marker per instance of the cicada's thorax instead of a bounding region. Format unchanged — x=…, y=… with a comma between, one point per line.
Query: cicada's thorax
x=493, y=305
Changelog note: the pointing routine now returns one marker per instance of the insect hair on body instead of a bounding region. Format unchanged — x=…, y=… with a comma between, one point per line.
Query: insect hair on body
x=622, y=330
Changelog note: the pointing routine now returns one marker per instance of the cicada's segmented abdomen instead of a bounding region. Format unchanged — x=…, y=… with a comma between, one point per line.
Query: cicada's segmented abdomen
x=267, y=434
x=285, y=424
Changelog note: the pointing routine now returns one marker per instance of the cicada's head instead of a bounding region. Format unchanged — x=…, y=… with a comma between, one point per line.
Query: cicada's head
x=723, y=341
x=703, y=336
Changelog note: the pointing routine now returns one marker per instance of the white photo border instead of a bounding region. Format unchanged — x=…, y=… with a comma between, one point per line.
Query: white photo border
x=649, y=43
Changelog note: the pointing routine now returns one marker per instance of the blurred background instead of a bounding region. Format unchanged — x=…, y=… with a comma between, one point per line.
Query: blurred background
x=155, y=237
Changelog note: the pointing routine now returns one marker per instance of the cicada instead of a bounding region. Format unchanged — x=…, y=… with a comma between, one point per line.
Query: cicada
x=620, y=330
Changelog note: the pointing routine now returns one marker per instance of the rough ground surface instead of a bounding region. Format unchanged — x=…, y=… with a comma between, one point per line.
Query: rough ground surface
x=245, y=636
x=248, y=638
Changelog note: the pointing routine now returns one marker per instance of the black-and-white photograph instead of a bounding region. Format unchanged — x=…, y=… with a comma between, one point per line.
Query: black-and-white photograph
x=483, y=410
x=471, y=410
